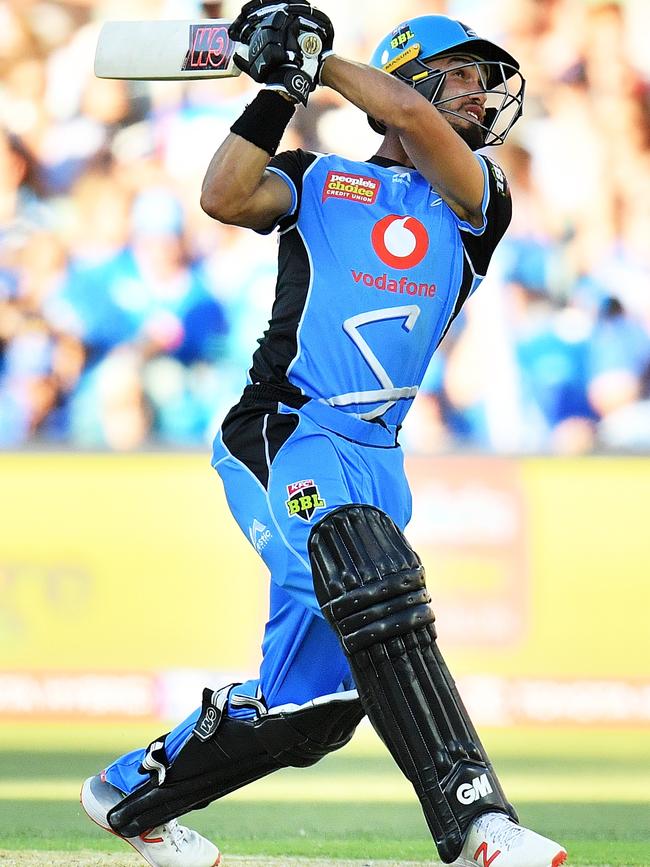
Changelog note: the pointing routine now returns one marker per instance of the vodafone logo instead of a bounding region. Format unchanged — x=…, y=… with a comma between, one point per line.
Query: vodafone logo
x=399, y=241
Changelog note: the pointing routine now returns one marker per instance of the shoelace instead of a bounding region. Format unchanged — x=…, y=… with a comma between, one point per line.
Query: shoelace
x=503, y=832
x=175, y=833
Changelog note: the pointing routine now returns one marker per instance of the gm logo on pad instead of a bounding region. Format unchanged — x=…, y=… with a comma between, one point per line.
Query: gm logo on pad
x=468, y=793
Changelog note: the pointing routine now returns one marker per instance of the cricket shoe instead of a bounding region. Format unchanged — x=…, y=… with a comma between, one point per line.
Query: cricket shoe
x=168, y=845
x=495, y=841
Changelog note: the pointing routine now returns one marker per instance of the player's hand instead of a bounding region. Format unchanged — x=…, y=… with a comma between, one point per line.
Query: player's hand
x=255, y=11
x=282, y=45
x=251, y=16
x=273, y=54
x=316, y=40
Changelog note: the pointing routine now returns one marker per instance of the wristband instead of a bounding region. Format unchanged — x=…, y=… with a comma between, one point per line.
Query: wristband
x=264, y=120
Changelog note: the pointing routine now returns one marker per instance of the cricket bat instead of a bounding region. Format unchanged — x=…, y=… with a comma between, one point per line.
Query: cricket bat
x=165, y=50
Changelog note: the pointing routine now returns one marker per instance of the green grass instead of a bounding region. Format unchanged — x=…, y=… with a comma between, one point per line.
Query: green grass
x=611, y=834
x=323, y=812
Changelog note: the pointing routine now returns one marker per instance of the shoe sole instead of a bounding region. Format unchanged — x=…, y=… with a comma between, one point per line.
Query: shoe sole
x=557, y=861
x=96, y=819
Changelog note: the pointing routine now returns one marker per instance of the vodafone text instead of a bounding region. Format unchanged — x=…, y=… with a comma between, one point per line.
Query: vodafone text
x=403, y=286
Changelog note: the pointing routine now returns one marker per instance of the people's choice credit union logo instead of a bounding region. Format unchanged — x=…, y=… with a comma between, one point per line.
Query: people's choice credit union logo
x=399, y=241
x=354, y=188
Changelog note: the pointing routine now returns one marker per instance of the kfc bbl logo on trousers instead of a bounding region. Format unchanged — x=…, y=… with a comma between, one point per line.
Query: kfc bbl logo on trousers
x=304, y=499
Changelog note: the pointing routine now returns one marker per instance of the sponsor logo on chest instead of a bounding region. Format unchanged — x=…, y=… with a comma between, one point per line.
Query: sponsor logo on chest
x=403, y=286
x=401, y=242
x=353, y=188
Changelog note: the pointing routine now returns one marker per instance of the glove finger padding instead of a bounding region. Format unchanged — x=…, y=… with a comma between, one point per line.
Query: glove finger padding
x=274, y=57
x=317, y=22
x=255, y=11
x=251, y=14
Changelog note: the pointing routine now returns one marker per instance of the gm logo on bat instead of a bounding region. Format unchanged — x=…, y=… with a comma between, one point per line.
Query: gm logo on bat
x=210, y=47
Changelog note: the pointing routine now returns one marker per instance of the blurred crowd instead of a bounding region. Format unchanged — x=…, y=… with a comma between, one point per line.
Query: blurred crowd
x=128, y=317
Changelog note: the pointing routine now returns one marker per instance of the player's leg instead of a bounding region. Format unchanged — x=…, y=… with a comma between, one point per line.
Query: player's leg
x=243, y=455
x=301, y=660
x=295, y=715
x=371, y=587
x=237, y=736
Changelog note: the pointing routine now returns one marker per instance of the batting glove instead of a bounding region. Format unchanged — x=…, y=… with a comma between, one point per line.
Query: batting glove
x=282, y=45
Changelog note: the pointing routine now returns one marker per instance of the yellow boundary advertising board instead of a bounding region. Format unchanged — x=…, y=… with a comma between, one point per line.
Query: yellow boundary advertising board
x=123, y=578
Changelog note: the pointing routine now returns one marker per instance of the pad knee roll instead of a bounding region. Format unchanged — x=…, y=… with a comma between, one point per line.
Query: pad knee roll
x=370, y=585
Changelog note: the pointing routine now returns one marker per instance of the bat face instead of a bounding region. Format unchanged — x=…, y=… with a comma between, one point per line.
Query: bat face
x=165, y=50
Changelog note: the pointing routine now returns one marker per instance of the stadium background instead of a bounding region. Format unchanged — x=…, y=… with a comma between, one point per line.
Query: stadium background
x=127, y=319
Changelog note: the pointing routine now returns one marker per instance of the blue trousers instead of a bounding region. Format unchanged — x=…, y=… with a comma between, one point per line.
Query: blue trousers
x=282, y=473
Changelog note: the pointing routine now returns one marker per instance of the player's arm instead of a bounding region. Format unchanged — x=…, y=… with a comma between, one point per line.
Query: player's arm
x=433, y=147
x=281, y=45
x=238, y=190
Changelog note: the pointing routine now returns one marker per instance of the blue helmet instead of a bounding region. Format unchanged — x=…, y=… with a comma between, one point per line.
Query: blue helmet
x=407, y=51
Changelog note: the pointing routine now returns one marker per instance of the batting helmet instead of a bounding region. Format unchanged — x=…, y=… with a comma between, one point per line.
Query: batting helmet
x=407, y=51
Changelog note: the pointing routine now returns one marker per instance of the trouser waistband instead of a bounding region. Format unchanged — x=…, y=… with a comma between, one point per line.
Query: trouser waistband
x=371, y=433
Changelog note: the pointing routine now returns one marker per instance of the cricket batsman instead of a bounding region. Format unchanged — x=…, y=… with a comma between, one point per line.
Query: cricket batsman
x=376, y=259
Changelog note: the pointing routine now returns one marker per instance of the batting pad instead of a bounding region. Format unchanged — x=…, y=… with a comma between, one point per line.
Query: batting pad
x=371, y=587
x=224, y=754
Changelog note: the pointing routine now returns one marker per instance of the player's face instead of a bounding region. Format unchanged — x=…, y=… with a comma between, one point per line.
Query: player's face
x=463, y=93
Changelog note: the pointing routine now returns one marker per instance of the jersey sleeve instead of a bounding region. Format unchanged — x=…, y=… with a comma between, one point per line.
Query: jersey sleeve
x=480, y=243
x=291, y=167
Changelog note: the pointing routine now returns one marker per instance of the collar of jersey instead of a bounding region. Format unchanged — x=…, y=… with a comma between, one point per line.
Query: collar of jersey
x=385, y=163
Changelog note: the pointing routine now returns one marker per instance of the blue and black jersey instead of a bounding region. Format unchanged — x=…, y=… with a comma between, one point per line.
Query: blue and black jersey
x=373, y=268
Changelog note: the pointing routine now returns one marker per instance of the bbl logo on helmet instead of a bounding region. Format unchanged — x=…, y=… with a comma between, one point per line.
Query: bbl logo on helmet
x=304, y=499
x=401, y=35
